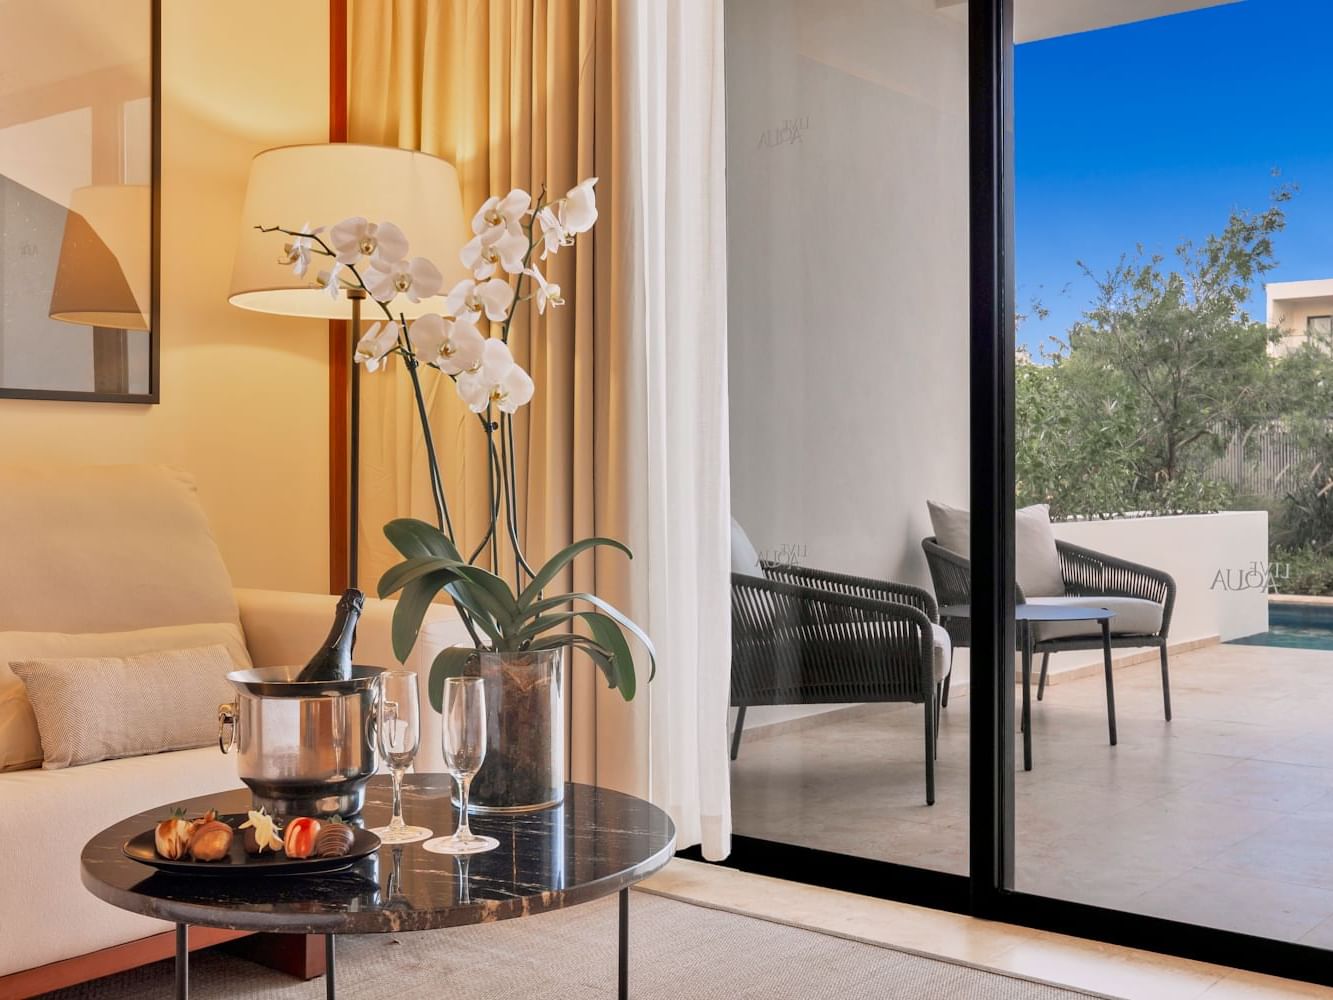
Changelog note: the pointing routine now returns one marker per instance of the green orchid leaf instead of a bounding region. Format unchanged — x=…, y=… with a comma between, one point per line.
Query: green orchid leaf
x=417, y=539
x=542, y=623
x=550, y=603
x=598, y=654
x=558, y=561
x=608, y=636
x=624, y=621
x=465, y=596
x=451, y=662
x=411, y=609
x=395, y=578
x=491, y=592
x=414, y=538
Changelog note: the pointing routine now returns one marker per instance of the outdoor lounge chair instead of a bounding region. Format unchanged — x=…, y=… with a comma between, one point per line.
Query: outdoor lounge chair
x=809, y=637
x=1142, y=597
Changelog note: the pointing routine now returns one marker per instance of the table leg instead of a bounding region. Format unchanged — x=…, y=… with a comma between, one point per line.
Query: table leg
x=330, y=981
x=182, y=961
x=1027, y=696
x=1110, y=684
x=623, y=988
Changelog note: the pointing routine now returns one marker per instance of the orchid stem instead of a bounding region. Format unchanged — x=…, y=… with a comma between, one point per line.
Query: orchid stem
x=511, y=493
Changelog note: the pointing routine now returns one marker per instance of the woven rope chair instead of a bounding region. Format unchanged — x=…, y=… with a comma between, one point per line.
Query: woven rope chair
x=808, y=637
x=1086, y=573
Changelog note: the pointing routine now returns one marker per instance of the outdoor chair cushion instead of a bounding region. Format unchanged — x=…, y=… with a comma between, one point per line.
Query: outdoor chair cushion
x=1038, y=571
x=943, y=650
x=744, y=556
x=1133, y=616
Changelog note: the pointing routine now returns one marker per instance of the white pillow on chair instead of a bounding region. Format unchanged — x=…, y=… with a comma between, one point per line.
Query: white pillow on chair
x=744, y=556
x=1038, y=572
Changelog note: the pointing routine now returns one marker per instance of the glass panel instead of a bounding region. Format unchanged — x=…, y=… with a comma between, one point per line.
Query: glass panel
x=848, y=330
x=1174, y=394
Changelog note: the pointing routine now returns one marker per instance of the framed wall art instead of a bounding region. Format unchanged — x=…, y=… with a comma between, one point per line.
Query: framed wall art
x=79, y=200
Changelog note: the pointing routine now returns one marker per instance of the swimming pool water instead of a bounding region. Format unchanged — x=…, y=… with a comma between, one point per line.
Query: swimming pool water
x=1295, y=626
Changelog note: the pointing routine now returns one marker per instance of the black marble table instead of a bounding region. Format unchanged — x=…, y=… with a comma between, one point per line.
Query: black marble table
x=1027, y=617
x=596, y=843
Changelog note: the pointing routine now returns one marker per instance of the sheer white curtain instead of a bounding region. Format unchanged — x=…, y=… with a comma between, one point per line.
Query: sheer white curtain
x=673, y=209
x=628, y=431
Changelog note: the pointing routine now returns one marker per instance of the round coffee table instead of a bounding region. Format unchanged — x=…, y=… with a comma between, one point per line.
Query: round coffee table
x=596, y=843
x=1027, y=616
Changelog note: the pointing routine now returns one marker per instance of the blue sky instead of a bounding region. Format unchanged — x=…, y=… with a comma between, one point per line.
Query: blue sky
x=1153, y=132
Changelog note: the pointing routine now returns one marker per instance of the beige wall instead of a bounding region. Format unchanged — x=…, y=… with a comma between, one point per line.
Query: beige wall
x=244, y=396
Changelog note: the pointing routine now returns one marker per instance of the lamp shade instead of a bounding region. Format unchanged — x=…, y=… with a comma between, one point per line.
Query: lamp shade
x=324, y=184
x=104, y=275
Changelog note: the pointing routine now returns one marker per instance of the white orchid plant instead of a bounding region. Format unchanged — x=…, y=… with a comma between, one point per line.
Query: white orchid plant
x=467, y=341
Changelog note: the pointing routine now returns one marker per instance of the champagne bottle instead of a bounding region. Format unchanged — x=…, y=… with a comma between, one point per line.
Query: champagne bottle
x=333, y=661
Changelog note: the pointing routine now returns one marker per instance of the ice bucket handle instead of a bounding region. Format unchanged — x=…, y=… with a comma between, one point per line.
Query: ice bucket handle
x=227, y=727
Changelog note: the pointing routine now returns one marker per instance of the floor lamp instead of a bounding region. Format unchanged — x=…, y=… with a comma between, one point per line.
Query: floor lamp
x=322, y=184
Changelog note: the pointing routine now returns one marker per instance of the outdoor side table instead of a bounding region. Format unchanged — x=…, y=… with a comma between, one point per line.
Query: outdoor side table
x=1027, y=616
x=596, y=843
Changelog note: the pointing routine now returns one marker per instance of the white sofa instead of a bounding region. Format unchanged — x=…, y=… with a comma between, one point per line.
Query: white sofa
x=113, y=548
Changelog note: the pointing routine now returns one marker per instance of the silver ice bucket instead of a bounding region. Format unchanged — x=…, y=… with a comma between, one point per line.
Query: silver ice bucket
x=305, y=748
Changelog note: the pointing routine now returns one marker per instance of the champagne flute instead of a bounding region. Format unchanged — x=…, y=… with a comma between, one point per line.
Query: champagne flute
x=398, y=714
x=464, y=736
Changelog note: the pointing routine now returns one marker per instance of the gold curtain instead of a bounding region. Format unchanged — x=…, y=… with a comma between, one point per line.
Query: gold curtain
x=514, y=93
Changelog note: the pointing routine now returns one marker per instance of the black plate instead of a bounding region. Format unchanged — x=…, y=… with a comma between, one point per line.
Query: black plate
x=143, y=849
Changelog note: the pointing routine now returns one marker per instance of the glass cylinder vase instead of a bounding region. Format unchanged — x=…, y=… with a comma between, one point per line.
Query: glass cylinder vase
x=524, y=769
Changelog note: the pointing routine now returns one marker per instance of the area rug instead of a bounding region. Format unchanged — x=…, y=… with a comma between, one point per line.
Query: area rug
x=678, y=951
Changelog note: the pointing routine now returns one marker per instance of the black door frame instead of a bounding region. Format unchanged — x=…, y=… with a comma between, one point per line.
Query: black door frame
x=987, y=891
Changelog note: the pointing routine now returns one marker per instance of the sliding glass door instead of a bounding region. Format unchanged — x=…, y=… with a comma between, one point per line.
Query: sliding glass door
x=1058, y=396
x=1174, y=184
x=847, y=214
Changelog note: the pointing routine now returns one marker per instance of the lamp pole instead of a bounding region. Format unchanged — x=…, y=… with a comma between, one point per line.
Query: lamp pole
x=356, y=296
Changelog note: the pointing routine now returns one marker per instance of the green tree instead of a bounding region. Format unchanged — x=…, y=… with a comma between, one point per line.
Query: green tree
x=1177, y=346
x=1303, y=390
x=1148, y=385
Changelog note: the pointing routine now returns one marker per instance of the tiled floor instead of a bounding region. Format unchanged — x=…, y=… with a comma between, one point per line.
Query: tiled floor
x=1088, y=965
x=1223, y=816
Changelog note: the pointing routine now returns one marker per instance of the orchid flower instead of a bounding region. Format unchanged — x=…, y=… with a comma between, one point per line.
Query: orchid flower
x=417, y=278
x=499, y=381
x=500, y=215
x=554, y=234
x=449, y=346
x=298, y=250
x=578, y=209
x=548, y=292
x=357, y=237
x=333, y=285
x=467, y=300
x=508, y=252
x=379, y=340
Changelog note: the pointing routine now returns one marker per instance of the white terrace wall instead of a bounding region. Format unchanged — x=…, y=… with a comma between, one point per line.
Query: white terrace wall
x=1217, y=560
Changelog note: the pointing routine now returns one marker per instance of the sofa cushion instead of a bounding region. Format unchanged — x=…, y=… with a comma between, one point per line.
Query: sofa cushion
x=101, y=708
x=1133, y=616
x=106, y=549
x=20, y=744
x=48, y=915
x=1038, y=571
